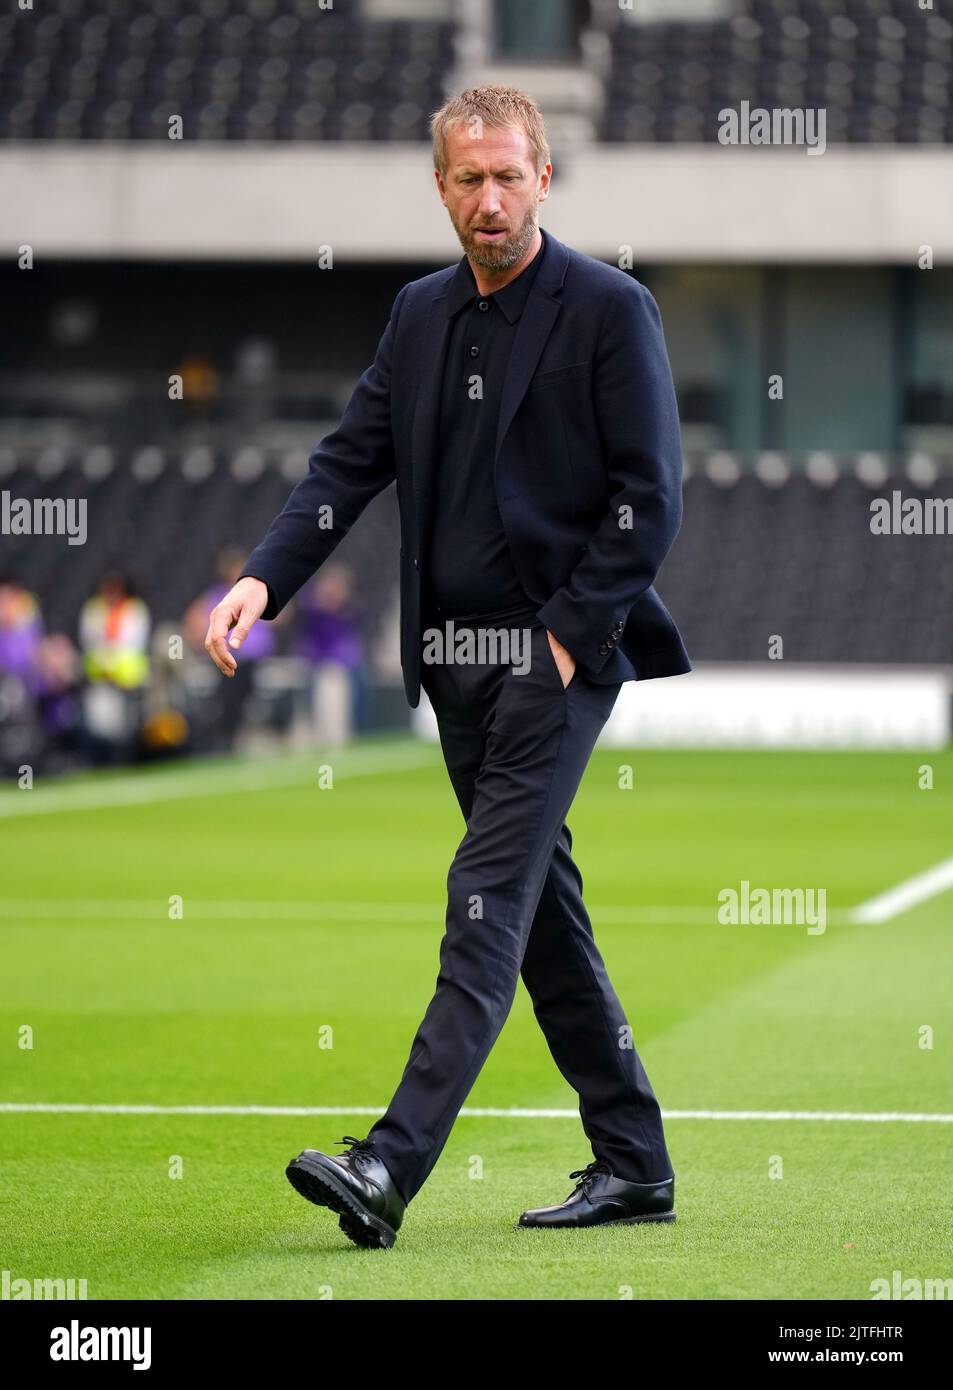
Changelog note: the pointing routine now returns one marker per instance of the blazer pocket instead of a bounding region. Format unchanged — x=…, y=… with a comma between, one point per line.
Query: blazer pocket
x=551, y=659
x=570, y=371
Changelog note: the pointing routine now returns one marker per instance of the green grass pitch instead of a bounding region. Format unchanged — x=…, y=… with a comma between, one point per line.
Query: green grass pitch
x=309, y=909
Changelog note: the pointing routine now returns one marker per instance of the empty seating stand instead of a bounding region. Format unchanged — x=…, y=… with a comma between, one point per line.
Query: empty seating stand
x=231, y=69
x=769, y=546
x=264, y=70
x=879, y=68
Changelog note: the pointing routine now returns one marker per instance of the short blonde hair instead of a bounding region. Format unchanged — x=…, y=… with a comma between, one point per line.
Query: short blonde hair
x=494, y=106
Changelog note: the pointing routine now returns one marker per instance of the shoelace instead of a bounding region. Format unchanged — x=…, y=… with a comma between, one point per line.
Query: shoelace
x=591, y=1171
x=359, y=1148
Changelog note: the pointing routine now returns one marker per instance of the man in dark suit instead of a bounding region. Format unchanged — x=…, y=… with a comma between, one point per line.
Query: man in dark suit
x=523, y=401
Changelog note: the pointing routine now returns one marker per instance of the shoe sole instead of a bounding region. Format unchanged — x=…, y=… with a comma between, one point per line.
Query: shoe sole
x=618, y=1221
x=320, y=1186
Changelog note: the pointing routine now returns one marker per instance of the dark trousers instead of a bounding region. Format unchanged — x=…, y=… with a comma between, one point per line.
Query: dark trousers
x=516, y=747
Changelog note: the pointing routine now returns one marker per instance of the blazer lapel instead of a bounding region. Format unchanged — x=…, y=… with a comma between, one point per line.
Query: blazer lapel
x=533, y=329
x=535, y=325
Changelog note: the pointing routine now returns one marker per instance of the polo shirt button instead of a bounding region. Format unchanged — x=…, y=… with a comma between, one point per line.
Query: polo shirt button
x=603, y=649
x=416, y=564
x=483, y=306
x=474, y=352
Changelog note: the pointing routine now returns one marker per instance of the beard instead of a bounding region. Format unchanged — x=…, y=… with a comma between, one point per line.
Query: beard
x=503, y=254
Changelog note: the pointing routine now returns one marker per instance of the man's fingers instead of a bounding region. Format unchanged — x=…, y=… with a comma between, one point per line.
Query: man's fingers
x=222, y=657
x=238, y=610
x=219, y=622
x=250, y=613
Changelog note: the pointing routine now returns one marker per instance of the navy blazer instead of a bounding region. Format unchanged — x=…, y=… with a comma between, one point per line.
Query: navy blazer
x=588, y=466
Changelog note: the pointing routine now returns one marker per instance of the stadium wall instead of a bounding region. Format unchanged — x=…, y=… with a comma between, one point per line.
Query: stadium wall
x=377, y=202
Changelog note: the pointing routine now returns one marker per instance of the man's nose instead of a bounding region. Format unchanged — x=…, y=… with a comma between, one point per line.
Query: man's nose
x=489, y=200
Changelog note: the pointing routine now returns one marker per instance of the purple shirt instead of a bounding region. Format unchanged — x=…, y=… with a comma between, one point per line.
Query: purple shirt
x=19, y=645
x=324, y=636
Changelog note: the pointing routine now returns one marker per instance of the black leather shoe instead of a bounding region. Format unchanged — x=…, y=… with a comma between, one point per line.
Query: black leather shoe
x=357, y=1185
x=599, y=1198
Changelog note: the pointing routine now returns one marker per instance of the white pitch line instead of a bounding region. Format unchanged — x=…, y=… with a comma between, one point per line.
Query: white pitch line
x=472, y=1112
x=906, y=894
x=156, y=909
x=142, y=789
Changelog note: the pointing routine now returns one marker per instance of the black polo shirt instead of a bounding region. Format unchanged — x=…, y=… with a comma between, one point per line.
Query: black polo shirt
x=470, y=572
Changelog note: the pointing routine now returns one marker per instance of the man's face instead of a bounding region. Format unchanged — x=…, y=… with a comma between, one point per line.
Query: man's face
x=492, y=193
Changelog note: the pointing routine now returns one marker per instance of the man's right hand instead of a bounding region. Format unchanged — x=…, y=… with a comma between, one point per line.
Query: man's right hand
x=241, y=606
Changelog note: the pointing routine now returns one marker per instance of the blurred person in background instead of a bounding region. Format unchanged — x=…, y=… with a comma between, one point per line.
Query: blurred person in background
x=233, y=698
x=59, y=700
x=41, y=676
x=329, y=640
x=21, y=632
x=114, y=638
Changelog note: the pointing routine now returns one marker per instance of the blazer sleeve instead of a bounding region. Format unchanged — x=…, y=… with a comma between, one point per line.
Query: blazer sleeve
x=637, y=417
x=346, y=471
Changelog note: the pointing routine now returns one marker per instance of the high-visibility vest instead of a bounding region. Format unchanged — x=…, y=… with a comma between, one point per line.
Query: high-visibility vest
x=114, y=638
